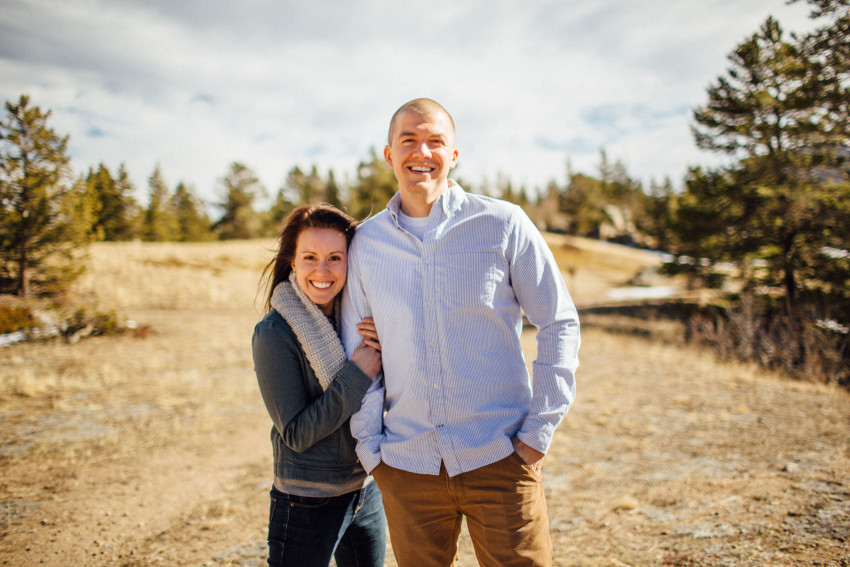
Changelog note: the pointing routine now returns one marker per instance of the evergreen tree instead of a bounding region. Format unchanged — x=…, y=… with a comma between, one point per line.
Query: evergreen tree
x=776, y=113
x=311, y=189
x=114, y=206
x=193, y=223
x=159, y=222
x=40, y=235
x=280, y=209
x=828, y=51
x=374, y=187
x=332, y=193
x=240, y=187
x=583, y=203
x=659, y=209
x=297, y=186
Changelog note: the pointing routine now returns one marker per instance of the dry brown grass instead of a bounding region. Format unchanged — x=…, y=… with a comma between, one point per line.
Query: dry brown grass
x=110, y=397
x=205, y=276
x=592, y=268
x=141, y=451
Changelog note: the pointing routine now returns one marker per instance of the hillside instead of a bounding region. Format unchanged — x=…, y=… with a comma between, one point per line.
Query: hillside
x=153, y=449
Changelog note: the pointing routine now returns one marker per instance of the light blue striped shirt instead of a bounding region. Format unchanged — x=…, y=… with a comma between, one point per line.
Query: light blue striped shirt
x=448, y=310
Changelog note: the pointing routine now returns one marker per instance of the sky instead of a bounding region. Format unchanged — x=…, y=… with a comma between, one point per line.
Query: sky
x=536, y=88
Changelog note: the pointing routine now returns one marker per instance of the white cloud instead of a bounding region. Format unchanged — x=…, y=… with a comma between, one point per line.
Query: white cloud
x=193, y=86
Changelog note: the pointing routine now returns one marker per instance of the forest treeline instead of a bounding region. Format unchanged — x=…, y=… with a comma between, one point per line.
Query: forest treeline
x=772, y=226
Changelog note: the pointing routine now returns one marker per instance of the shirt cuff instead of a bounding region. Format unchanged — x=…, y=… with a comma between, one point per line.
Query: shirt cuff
x=537, y=436
x=368, y=457
x=367, y=427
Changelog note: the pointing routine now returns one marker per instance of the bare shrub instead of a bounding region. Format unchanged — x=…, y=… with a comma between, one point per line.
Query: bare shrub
x=754, y=331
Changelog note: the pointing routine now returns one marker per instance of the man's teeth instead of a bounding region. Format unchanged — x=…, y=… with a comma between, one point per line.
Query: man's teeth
x=421, y=169
x=322, y=285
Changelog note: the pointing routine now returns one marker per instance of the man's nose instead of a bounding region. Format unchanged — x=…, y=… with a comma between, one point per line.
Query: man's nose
x=423, y=149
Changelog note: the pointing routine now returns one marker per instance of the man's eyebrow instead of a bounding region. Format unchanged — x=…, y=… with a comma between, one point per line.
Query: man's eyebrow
x=407, y=133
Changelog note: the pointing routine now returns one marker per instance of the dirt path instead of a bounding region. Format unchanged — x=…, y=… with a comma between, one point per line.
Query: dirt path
x=667, y=458
x=672, y=459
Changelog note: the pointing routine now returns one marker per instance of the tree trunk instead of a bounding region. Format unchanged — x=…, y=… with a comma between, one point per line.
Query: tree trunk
x=23, y=272
x=789, y=280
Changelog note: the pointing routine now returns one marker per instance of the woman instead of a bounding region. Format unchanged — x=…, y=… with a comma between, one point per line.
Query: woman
x=322, y=502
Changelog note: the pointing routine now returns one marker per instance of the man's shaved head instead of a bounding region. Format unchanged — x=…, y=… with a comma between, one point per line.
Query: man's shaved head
x=419, y=106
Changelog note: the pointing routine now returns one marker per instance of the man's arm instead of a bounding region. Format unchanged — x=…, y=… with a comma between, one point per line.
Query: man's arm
x=543, y=296
x=367, y=424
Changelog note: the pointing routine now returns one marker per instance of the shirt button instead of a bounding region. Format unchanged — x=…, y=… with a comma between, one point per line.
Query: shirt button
x=436, y=386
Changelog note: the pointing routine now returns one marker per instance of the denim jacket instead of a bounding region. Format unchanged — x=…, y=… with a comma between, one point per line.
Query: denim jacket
x=311, y=439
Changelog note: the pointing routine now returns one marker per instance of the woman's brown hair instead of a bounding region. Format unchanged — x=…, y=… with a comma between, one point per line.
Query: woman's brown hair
x=301, y=218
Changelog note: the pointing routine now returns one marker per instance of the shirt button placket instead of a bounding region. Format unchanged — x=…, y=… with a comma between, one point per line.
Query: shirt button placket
x=432, y=348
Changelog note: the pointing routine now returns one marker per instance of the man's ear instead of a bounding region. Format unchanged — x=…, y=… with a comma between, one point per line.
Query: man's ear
x=388, y=156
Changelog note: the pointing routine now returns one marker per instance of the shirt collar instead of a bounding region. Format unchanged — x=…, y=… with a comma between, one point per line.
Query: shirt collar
x=448, y=202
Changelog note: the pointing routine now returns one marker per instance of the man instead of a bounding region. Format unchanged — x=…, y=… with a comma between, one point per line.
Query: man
x=457, y=429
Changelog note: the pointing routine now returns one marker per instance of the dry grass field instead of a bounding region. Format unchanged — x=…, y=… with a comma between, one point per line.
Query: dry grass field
x=152, y=449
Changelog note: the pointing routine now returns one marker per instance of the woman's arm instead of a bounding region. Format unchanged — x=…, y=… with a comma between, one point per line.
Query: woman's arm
x=300, y=422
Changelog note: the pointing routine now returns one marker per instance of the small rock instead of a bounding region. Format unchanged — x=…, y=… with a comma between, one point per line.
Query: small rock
x=626, y=503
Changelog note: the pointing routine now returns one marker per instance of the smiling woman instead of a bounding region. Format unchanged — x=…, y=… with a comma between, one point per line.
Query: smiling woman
x=323, y=504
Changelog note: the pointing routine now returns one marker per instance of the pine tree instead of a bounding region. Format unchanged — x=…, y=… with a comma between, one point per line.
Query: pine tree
x=239, y=188
x=332, y=193
x=193, y=223
x=115, y=206
x=374, y=187
x=159, y=223
x=131, y=226
x=659, y=212
x=311, y=189
x=583, y=203
x=41, y=239
x=776, y=113
x=280, y=209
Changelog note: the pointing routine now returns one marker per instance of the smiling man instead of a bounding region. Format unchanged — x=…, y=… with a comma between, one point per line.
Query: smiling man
x=457, y=428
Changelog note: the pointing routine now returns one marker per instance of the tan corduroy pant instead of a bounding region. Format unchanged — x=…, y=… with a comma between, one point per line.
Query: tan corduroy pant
x=504, y=507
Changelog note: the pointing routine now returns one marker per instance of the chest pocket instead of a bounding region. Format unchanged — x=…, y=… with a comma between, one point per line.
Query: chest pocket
x=470, y=278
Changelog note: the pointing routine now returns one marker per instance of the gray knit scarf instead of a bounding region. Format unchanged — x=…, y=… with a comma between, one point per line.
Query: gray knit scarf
x=312, y=329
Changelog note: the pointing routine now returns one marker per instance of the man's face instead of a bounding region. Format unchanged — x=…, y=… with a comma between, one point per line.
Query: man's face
x=421, y=153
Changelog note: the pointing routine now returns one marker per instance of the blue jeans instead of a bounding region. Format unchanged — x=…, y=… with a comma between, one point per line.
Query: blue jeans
x=307, y=532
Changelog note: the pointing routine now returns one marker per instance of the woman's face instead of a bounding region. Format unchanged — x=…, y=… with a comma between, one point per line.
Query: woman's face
x=321, y=264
